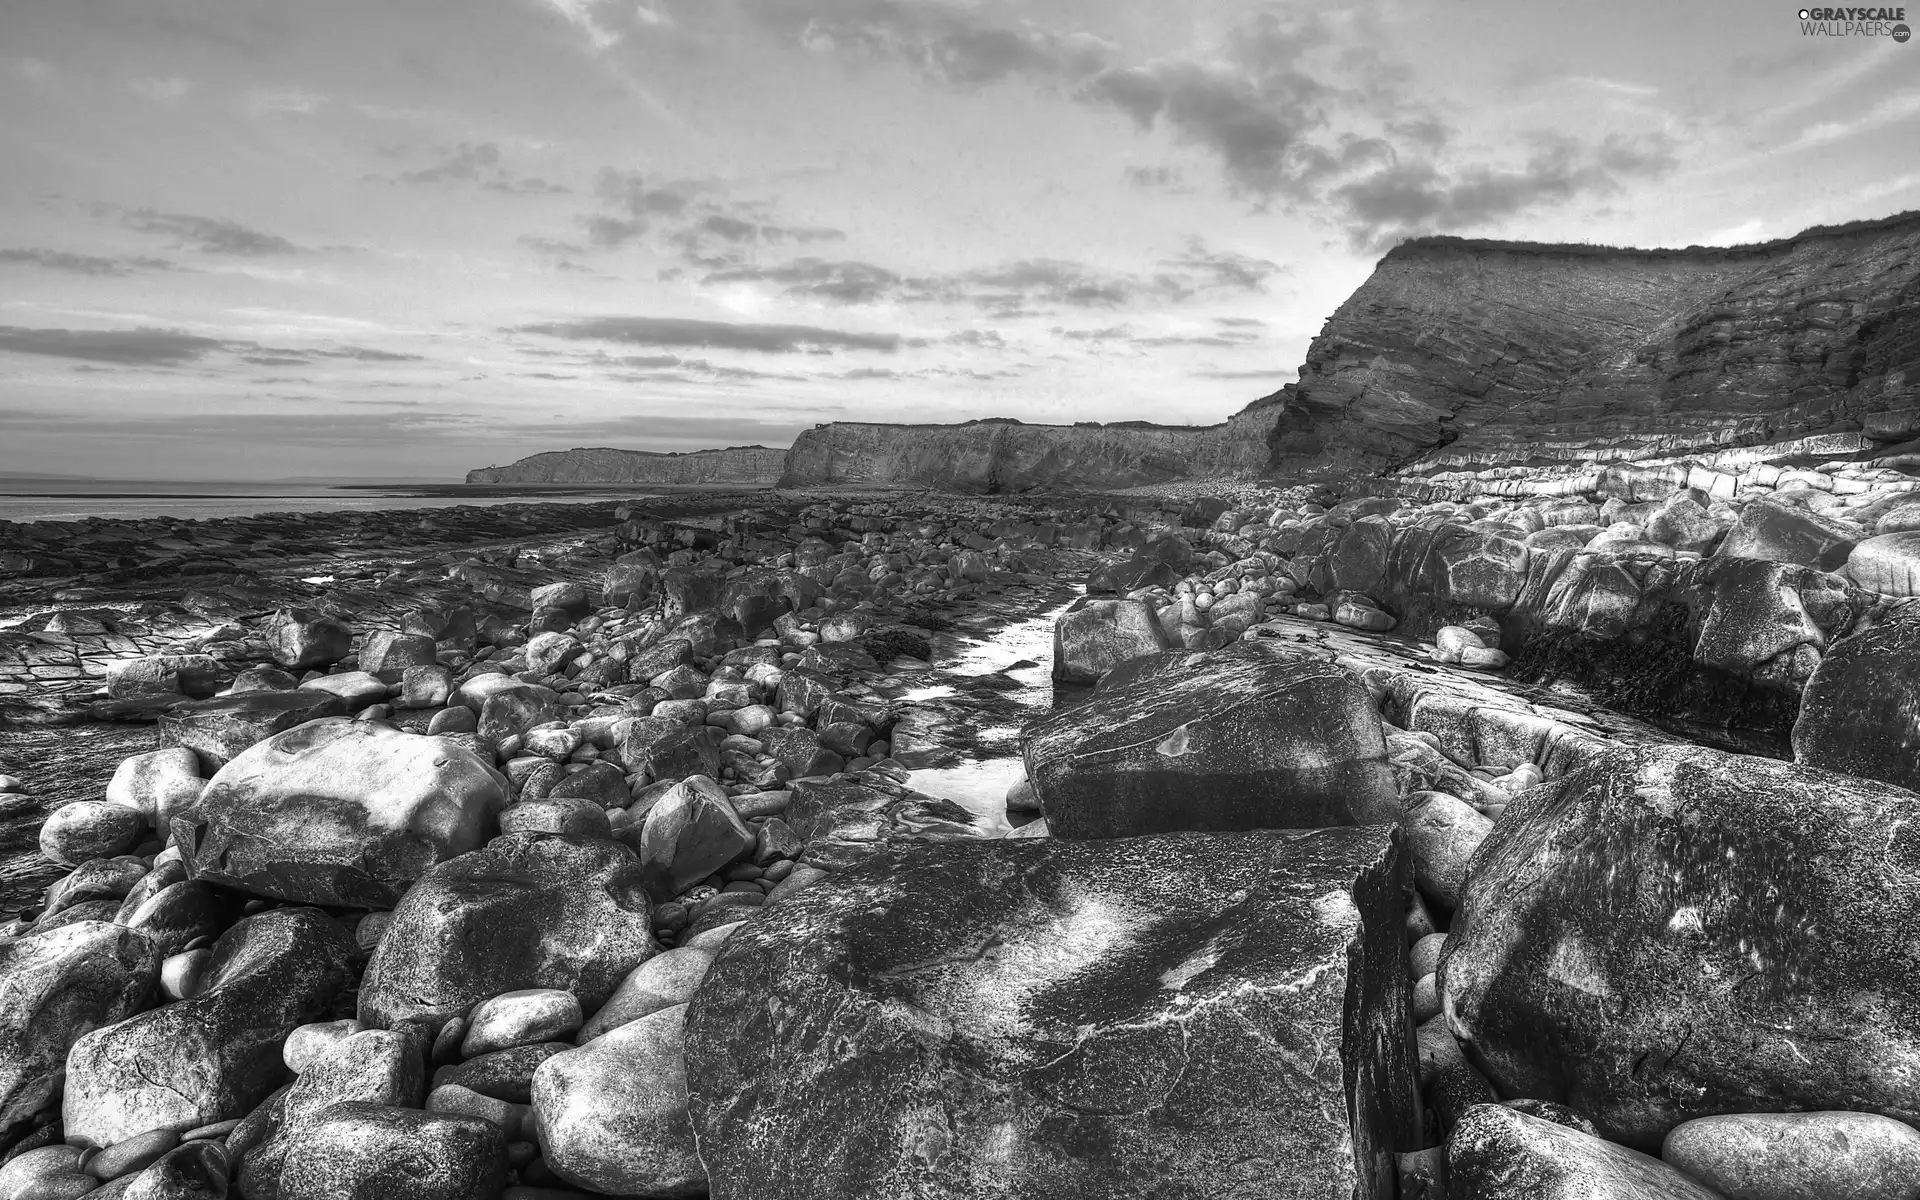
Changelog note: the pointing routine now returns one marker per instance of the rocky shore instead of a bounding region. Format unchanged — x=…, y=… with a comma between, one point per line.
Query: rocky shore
x=1341, y=844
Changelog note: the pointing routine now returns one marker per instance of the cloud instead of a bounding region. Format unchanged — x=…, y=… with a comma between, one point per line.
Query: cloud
x=84, y=264
x=1894, y=109
x=947, y=40
x=819, y=279
x=140, y=347
x=1416, y=197
x=211, y=235
x=719, y=335
x=480, y=164
x=1163, y=178
x=163, y=91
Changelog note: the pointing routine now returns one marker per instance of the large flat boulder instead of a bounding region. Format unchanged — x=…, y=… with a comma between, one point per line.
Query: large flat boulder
x=525, y=911
x=215, y=1056
x=1786, y=534
x=1495, y=1153
x=843, y=823
x=1674, y=932
x=221, y=728
x=1245, y=739
x=1186, y=1015
x=339, y=812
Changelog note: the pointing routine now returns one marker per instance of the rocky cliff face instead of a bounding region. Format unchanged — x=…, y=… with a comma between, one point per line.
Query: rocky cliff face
x=1463, y=354
x=1008, y=456
x=734, y=465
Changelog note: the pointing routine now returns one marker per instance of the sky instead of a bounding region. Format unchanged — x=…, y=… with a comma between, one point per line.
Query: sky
x=259, y=239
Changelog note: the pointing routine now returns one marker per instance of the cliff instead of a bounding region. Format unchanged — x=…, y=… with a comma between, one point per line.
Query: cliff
x=1461, y=354
x=1000, y=456
x=752, y=465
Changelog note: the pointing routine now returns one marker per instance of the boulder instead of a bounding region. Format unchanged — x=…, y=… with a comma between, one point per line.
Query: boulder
x=355, y=689
x=1442, y=834
x=612, y=1115
x=1236, y=740
x=157, y=783
x=191, y=1171
x=525, y=911
x=380, y=1152
x=1799, y=1156
x=1888, y=564
x=666, y=979
x=1497, y=1153
x=1173, y=1015
x=843, y=823
x=1780, y=533
x=1094, y=636
x=217, y=1055
x=339, y=812
x=1673, y=932
x=1484, y=569
x=520, y=1018
x=86, y=829
x=387, y=655
x=163, y=675
x=56, y=986
x=218, y=730
x=1860, y=712
x=689, y=833
x=301, y=640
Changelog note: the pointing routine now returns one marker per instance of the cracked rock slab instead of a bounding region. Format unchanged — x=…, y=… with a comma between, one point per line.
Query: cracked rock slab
x=1186, y=1015
x=1671, y=932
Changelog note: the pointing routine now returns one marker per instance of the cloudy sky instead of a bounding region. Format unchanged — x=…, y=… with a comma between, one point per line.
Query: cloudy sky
x=253, y=239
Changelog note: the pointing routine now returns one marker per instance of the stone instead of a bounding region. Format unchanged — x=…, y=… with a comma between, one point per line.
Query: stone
x=1799, y=1156
x=549, y=653
x=525, y=911
x=55, y=987
x=218, y=730
x=1214, y=742
x=355, y=689
x=308, y=1044
x=688, y=834
x=157, y=782
x=1496, y=1153
x=844, y=823
x=84, y=829
x=196, y=1170
x=567, y=815
x=502, y=1074
x=96, y=879
x=1779, y=533
x=388, y=656
x=176, y=916
x=612, y=1115
x=1138, y=1017
x=373, y=1066
x=601, y=784
x=1638, y=940
x=428, y=686
x=1094, y=636
x=1860, y=712
x=339, y=812
x=215, y=1056
x=381, y=1152
x=520, y=1018
x=300, y=640
x=262, y=679
x=1442, y=834
x=567, y=596
x=1888, y=563
x=163, y=674
x=668, y=978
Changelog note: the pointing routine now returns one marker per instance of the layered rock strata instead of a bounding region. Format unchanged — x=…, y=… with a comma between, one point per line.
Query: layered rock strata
x=755, y=466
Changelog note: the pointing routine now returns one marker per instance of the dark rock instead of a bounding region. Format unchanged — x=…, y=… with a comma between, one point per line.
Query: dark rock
x=339, y=812
x=1223, y=742
x=1779, y=533
x=1860, y=712
x=503, y=1074
x=217, y=1055
x=301, y=640
x=1139, y=1017
x=181, y=674
x=1673, y=932
x=387, y=654
x=844, y=823
x=526, y=911
x=689, y=833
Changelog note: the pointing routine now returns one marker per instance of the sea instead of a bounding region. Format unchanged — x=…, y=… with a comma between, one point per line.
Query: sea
x=124, y=499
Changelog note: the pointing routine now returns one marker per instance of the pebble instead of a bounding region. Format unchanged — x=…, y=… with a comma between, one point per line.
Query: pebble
x=521, y=1018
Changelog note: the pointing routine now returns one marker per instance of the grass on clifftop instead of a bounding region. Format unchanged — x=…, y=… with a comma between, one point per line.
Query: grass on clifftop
x=1445, y=241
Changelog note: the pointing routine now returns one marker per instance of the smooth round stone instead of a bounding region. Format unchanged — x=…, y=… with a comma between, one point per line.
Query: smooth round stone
x=12, y=783
x=521, y=1018
x=65, y=1186
x=1888, y=564
x=74, y=833
x=33, y=1165
x=133, y=1154
x=1799, y=1156
x=1454, y=639
x=1424, y=958
x=1426, y=998
x=308, y=1044
x=180, y=973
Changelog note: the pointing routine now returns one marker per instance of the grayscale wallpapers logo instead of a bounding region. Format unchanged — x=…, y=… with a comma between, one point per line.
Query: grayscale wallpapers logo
x=1855, y=22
